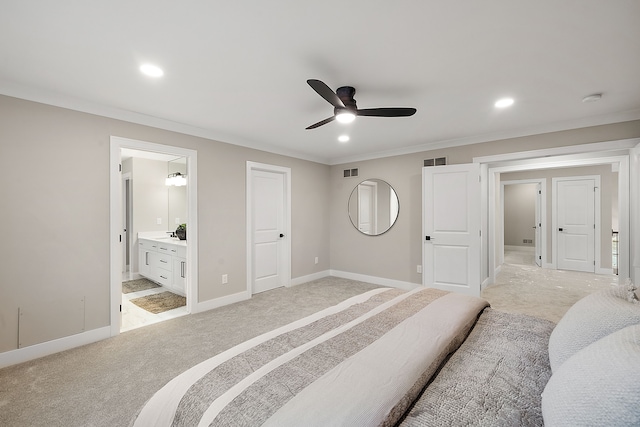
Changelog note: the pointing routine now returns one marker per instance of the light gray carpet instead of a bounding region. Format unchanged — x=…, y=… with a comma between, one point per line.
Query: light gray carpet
x=105, y=383
x=522, y=287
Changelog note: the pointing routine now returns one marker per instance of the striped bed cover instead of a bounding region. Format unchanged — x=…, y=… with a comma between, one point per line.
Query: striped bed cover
x=362, y=362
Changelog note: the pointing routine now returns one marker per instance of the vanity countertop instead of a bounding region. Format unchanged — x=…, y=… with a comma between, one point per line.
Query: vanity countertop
x=165, y=239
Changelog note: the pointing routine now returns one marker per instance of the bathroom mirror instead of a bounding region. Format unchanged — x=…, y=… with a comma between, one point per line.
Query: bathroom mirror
x=177, y=195
x=373, y=207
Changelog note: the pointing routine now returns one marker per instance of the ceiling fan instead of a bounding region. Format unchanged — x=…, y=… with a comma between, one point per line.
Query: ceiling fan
x=344, y=106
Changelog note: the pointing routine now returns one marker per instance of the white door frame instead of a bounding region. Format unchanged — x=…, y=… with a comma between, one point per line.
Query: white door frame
x=126, y=185
x=597, y=219
x=611, y=152
x=543, y=201
x=286, y=268
x=115, y=227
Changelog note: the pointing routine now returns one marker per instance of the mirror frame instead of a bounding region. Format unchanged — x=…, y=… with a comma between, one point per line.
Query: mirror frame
x=354, y=191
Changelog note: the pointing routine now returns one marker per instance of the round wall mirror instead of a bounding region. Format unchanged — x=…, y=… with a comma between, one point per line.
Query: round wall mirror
x=373, y=207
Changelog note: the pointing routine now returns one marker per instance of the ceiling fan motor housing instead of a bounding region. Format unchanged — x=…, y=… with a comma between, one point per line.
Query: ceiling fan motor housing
x=346, y=93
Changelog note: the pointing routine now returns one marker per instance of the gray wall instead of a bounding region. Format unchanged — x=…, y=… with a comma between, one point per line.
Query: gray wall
x=519, y=214
x=56, y=214
x=396, y=254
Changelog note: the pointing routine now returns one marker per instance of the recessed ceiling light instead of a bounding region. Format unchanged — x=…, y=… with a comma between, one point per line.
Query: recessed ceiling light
x=151, y=70
x=504, y=102
x=343, y=138
x=592, y=98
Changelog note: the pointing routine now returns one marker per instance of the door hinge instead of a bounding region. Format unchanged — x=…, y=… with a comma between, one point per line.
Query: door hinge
x=120, y=308
x=479, y=178
x=594, y=262
x=120, y=237
x=480, y=233
x=120, y=167
x=539, y=257
x=539, y=191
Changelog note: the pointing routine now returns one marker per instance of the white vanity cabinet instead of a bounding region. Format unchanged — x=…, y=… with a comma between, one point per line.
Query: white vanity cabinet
x=164, y=263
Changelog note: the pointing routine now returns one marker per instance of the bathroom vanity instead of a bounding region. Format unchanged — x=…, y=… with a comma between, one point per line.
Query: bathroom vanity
x=164, y=260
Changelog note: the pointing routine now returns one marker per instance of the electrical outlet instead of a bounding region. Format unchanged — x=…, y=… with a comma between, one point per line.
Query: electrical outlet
x=316, y=260
x=419, y=269
x=159, y=221
x=225, y=279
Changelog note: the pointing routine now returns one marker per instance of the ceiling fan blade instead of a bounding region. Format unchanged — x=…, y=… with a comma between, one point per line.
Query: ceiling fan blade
x=387, y=112
x=326, y=92
x=320, y=123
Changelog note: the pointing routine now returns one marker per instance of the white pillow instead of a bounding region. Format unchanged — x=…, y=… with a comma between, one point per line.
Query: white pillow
x=597, y=386
x=593, y=317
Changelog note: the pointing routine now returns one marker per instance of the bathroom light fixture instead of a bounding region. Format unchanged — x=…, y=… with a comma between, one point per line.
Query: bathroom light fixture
x=151, y=70
x=504, y=103
x=176, y=179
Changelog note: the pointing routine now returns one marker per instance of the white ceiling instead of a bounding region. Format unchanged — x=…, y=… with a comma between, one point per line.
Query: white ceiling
x=236, y=71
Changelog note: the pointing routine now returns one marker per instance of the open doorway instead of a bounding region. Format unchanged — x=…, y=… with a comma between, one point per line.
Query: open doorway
x=522, y=224
x=153, y=263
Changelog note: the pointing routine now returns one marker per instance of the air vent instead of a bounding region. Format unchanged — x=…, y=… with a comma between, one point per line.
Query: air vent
x=354, y=172
x=350, y=172
x=438, y=161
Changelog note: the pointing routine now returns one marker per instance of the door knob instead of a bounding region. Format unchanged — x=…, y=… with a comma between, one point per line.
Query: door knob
x=560, y=229
x=281, y=235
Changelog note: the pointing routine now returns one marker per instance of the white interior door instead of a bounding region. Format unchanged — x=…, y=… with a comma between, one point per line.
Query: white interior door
x=367, y=220
x=269, y=230
x=576, y=224
x=451, y=224
x=538, y=226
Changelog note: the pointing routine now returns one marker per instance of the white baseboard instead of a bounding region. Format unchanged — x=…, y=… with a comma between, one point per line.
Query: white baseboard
x=376, y=280
x=519, y=248
x=310, y=277
x=222, y=301
x=36, y=351
x=605, y=271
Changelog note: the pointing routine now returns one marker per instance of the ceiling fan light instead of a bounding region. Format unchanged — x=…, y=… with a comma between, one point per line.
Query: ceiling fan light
x=345, y=116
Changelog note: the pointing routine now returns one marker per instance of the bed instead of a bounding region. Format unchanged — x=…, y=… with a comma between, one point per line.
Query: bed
x=387, y=357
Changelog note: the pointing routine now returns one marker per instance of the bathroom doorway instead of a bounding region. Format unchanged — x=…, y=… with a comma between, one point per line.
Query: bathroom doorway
x=156, y=276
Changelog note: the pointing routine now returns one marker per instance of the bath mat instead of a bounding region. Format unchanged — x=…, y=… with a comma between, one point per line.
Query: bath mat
x=138, y=285
x=159, y=303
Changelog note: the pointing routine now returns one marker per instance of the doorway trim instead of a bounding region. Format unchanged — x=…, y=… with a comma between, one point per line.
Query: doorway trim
x=615, y=152
x=115, y=219
x=543, y=221
x=254, y=166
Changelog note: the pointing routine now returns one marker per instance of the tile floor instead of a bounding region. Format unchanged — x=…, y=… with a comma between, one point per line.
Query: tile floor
x=135, y=317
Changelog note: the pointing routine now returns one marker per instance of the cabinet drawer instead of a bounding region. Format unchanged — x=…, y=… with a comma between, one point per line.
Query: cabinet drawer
x=164, y=277
x=148, y=244
x=181, y=251
x=164, y=261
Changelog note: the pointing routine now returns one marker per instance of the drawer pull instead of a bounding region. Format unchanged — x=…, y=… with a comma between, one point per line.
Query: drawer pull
x=163, y=261
x=163, y=277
